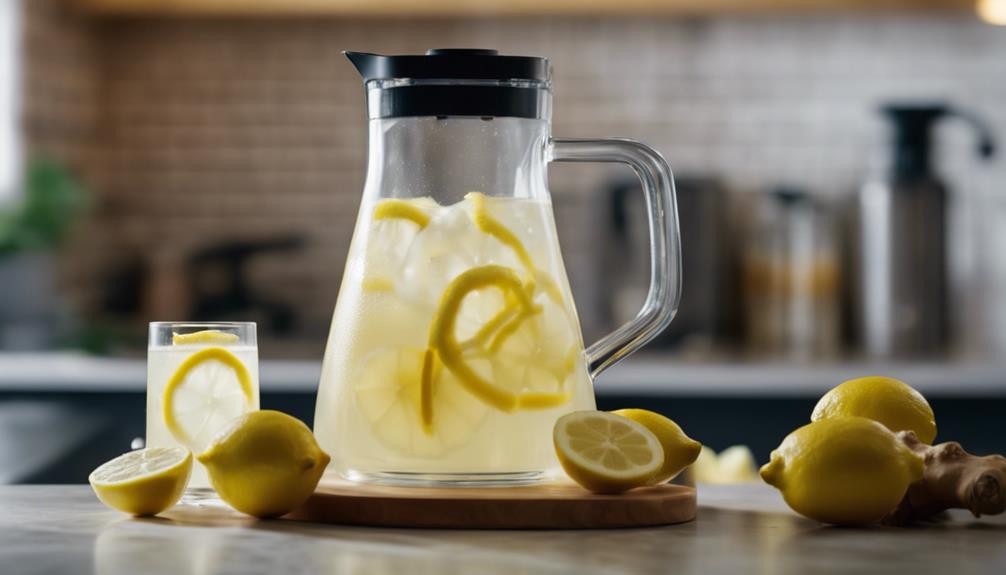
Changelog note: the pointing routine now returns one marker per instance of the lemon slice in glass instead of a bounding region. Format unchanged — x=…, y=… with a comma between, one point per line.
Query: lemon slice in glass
x=387, y=389
x=143, y=482
x=606, y=453
x=209, y=336
x=210, y=388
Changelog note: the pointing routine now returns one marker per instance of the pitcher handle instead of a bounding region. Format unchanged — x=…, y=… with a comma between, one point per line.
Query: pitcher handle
x=665, y=242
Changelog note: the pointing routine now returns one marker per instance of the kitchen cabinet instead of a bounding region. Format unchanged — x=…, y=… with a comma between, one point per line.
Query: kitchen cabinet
x=491, y=7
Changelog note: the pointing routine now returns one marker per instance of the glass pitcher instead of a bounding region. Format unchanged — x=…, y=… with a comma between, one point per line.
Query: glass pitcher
x=455, y=344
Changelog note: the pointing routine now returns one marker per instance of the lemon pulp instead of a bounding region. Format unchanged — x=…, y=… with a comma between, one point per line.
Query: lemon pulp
x=606, y=453
x=143, y=482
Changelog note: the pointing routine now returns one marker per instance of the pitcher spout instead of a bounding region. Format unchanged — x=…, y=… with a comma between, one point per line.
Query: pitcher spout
x=367, y=64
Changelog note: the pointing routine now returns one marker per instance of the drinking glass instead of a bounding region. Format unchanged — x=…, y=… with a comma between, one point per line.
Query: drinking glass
x=200, y=376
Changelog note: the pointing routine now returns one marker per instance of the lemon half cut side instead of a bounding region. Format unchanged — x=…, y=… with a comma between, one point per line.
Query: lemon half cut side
x=606, y=453
x=143, y=482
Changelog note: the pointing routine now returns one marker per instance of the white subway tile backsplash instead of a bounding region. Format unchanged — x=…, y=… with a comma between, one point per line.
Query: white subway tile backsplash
x=260, y=125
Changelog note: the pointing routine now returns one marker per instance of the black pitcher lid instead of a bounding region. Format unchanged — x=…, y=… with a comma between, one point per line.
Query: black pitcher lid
x=456, y=82
x=451, y=63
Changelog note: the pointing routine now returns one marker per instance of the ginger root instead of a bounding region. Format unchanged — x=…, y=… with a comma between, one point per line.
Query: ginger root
x=953, y=479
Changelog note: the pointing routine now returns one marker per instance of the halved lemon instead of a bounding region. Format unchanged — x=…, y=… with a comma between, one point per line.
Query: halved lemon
x=143, y=482
x=212, y=336
x=210, y=388
x=680, y=451
x=606, y=453
x=388, y=393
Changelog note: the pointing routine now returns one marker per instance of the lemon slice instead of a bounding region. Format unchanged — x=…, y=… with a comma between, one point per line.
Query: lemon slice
x=606, y=453
x=209, y=388
x=212, y=336
x=387, y=389
x=396, y=224
x=537, y=358
x=450, y=245
x=143, y=482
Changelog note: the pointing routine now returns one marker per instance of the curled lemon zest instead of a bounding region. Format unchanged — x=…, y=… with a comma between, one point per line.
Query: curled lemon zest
x=493, y=227
x=426, y=391
x=401, y=209
x=204, y=336
x=444, y=341
x=542, y=399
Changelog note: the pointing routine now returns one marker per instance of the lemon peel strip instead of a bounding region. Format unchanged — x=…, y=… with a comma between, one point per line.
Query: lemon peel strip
x=204, y=336
x=444, y=341
x=493, y=227
x=401, y=209
x=426, y=391
x=542, y=399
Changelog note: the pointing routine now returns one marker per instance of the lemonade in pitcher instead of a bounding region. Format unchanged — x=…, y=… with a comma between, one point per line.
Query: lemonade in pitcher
x=454, y=328
x=455, y=345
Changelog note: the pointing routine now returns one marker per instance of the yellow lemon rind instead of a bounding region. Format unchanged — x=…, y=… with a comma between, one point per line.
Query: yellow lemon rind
x=213, y=336
x=402, y=210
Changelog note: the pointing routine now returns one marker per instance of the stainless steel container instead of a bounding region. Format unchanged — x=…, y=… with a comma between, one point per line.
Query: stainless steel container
x=900, y=287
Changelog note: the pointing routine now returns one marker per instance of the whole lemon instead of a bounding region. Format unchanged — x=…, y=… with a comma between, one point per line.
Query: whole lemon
x=680, y=451
x=265, y=463
x=843, y=470
x=885, y=399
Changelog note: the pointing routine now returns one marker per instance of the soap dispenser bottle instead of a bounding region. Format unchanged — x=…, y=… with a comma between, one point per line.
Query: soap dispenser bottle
x=900, y=288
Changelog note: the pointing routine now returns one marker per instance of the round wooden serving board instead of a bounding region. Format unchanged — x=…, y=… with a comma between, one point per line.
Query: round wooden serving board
x=549, y=506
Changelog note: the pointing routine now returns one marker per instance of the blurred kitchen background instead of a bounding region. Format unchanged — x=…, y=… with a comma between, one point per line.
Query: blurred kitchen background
x=204, y=159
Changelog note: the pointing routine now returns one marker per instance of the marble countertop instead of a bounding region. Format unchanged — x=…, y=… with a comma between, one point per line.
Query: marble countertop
x=740, y=529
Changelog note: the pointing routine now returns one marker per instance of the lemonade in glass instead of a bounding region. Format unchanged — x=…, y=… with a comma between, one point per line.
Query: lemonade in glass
x=200, y=376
